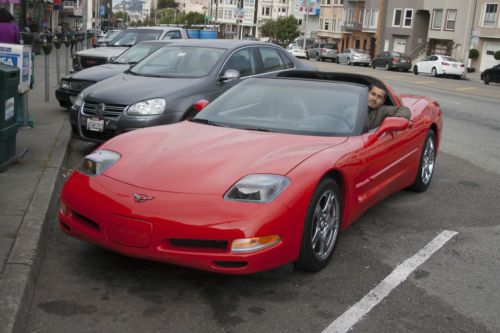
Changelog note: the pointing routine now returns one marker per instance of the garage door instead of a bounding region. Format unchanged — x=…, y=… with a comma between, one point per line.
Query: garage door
x=487, y=59
x=399, y=45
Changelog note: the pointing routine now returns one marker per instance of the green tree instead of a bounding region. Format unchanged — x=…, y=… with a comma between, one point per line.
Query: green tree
x=122, y=15
x=167, y=4
x=193, y=18
x=282, y=31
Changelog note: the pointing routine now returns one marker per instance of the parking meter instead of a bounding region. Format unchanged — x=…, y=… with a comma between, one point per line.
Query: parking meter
x=58, y=39
x=47, y=42
x=65, y=39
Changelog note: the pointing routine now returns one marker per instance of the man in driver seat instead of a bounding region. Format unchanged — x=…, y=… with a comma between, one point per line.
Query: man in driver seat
x=377, y=112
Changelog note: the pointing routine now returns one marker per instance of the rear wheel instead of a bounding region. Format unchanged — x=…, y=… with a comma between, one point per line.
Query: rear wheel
x=321, y=227
x=373, y=65
x=486, y=79
x=415, y=70
x=426, y=165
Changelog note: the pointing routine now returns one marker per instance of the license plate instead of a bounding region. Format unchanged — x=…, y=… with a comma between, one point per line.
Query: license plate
x=95, y=125
x=403, y=60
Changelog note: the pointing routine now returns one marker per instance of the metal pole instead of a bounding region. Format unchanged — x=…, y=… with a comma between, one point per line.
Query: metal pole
x=26, y=110
x=58, y=71
x=67, y=56
x=85, y=19
x=468, y=41
x=47, y=82
x=305, y=27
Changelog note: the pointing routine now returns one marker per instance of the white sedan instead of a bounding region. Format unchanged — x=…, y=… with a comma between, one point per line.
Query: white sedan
x=440, y=65
x=297, y=51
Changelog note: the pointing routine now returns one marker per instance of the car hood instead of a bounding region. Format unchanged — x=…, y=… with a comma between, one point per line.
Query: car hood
x=126, y=89
x=99, y=73
x=194, y=158
x=102, y=52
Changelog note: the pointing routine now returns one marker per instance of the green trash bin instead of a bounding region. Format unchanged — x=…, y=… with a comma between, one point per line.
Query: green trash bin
x=9, y=80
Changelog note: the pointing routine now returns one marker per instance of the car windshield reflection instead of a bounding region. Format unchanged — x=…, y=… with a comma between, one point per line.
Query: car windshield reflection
x=136, y=54
x=289, y=106
x=179, y=61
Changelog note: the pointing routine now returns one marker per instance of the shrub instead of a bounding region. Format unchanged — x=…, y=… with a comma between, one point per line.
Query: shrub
x=473, y=53
x=497, y=55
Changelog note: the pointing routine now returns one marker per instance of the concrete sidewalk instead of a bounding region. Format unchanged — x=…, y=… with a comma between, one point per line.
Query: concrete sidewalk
x=27, y=198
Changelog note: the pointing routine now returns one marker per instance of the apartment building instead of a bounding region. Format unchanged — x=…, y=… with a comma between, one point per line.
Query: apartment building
x=236, y=18
x=331, y=27
x=354, y=36
x=486, y=33
x=372, y=25
x=309, y=26
x=405, y=26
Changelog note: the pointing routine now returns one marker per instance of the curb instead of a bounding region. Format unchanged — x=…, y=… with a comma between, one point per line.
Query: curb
x=23, y=265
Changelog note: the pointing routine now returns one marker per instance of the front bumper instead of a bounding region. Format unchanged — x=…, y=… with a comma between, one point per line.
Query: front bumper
x=402, y=65
x=64, y=97
x=102, y=211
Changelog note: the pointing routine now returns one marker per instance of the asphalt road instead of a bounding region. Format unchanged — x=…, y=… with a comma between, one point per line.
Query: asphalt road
x=83, y=288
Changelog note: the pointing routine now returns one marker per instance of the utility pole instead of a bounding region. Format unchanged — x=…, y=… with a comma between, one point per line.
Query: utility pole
x=305, y=26
x=85, y=19
x=468, y=37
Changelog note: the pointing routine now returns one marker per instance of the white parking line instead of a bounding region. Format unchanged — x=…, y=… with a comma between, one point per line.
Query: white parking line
x=349, y=318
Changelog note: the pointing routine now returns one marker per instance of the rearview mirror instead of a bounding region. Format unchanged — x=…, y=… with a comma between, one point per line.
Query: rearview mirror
x=390, y=124
x=230, y=74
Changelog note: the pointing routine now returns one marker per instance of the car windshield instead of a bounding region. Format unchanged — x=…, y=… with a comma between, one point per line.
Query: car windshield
x=112, y=34
x=450, y=59
x=303, y=107
x=179, y=61
x=134, y=36
x=137, y=53
x=396, y=54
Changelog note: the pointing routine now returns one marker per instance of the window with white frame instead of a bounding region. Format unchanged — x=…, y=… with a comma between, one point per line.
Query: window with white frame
x=266, y=11
x=437, y=19
x=327, y=24
x=350, y=15
x=328, y=2
x=361, y=16
x=408, y=18
x=396, y=17
x=249, y=3
x=366, y=20
x=451, y=17
x=374, y=18
x=490, y=14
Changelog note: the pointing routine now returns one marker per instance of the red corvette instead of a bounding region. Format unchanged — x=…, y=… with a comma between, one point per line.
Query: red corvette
x=269, y=173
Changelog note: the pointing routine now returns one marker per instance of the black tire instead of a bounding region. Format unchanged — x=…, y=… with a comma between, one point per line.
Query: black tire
x=387, y=66
x=434, y=72
x=311, y=257
x=317, y=57
x=373, y=65
x=486, y=79
x=415, y=70
x=426, y=165
x=307, y=56
x=321, y=58
x=348, y=62
x=337, y=60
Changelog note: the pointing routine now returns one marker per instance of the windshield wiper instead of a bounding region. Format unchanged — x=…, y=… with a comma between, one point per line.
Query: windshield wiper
x=206, y=121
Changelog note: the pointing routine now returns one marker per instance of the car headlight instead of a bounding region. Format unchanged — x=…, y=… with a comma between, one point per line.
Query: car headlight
x=78, y=100
x=98, y=162
x=64, y=84
x=147, y=108
x=257, y=188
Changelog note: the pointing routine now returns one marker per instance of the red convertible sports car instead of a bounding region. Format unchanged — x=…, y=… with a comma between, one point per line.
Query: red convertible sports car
x=267, y=174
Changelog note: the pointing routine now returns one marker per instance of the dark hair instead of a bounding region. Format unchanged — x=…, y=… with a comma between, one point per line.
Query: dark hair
x=377, y=84
x=5, y=16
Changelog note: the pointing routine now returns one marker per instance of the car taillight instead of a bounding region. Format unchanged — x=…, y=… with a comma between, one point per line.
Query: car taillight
x=445, y=64
x=395, y=59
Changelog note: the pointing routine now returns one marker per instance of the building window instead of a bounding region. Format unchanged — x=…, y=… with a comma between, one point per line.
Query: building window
x=361, y=16
x=451, y=17
x=396, y=18
x=374, y=18
x=490, y=14
x=366, y=20
x=334, y=22
x=437, y=19
x=327, y=25
x=328, y=2
x=408, y=18
x=266, y=11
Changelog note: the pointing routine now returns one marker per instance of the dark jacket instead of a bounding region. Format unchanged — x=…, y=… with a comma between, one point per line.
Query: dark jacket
x=377, y=116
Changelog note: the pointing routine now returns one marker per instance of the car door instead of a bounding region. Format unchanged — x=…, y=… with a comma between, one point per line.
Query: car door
x=424, y=65
x=342, y=56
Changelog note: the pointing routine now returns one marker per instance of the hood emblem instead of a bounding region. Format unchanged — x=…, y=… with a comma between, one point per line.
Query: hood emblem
x=100, y=109
x=141, y=197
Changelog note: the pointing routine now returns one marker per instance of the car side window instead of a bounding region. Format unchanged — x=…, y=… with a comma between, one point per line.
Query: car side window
x=242, y=61
x=434, y=58
x=271, y=59
x=176, y=34
x=288, y=62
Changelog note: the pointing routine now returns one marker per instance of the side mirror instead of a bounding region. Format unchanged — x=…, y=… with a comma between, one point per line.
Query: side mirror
x=200, y=105
x=390, y=124
x=229, y=75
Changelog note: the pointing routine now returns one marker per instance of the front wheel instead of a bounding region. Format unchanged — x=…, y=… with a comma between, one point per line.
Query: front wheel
x=434, y=72
x=486, y=79
x=349, y=62
x=426, y=164
x=415, y=70
x=321, y=227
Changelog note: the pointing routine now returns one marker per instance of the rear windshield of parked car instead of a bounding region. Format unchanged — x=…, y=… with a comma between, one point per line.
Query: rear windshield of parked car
x=450, y=59
x=330, y=46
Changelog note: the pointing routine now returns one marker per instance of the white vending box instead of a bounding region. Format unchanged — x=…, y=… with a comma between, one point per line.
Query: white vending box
x=18, y=56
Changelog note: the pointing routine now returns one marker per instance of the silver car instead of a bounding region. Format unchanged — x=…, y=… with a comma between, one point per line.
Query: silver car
x=354, y=57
